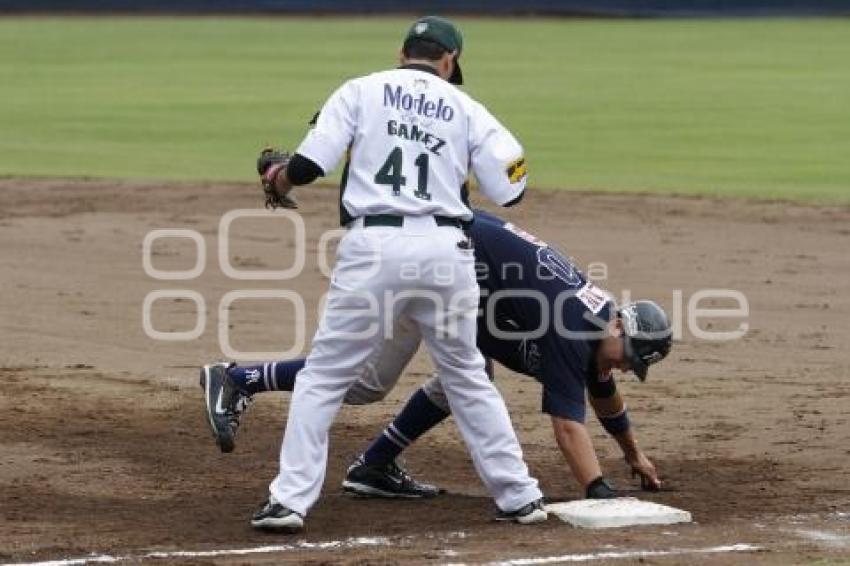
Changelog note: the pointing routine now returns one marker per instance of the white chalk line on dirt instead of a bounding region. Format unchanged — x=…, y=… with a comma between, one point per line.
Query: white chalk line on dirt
x=380, y=541
x=108, y=559
x=828, y=538
x=625, y=554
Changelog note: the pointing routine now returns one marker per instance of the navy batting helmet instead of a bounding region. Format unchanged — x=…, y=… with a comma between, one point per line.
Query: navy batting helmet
x=647, y=334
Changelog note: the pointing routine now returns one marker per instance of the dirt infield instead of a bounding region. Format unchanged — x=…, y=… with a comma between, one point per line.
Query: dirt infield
x=106, y=451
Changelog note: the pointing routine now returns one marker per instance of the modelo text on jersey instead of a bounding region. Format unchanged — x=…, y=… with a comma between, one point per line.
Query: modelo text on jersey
x=405, y=101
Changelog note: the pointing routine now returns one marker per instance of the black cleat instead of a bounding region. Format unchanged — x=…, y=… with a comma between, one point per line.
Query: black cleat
x=526, y=515
x=273, y=516
x=390, y=481
x=601, y=489
x=224, y=402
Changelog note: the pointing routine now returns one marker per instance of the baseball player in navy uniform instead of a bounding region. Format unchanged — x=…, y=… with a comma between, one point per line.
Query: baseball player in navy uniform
x=539, y=316
x=409, y=138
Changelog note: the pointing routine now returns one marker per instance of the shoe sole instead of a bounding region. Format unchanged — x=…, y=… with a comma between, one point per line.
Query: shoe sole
x=364, y=490
x=289, y=524
x=225, y=444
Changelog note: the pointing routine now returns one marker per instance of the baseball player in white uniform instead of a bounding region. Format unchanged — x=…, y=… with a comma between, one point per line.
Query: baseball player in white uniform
x=411, y=139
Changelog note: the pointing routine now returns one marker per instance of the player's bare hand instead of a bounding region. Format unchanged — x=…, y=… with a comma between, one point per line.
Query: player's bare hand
x=643, y=467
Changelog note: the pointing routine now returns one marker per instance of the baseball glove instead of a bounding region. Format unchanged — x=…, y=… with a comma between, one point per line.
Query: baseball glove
x=269, y=164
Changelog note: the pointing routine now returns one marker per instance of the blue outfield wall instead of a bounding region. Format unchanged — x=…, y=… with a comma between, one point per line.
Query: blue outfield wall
x=611, y=8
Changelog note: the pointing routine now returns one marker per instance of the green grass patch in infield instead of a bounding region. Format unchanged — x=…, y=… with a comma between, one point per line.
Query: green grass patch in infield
x=723, y=107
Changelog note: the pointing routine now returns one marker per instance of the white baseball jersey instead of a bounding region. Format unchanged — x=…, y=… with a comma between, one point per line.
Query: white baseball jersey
x=412, y=140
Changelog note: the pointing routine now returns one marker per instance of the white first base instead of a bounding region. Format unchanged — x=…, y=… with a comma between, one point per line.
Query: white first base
x=619, y=512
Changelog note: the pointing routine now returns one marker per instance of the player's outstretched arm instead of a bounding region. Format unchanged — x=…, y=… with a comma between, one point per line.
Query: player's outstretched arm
x=577, y=447
x=612, y=413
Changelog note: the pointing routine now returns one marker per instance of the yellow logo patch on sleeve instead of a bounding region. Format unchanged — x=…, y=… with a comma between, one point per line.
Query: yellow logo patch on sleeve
x=517, y=170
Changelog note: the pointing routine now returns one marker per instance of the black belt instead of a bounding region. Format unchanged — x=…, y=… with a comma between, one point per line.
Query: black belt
x=398, y=221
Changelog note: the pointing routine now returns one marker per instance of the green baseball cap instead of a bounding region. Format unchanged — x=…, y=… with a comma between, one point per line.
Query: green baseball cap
x=443, y=33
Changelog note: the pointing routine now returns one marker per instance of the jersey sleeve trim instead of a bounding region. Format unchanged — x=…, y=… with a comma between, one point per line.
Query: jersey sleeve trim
x=512, y=196
x=316, y=157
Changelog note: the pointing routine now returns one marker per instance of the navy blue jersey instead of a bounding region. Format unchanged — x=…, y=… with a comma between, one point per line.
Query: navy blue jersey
x=540, y=315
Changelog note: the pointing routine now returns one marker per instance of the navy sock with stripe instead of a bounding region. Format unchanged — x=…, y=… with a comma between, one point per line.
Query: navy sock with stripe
x=417, y=417
x=271, y=376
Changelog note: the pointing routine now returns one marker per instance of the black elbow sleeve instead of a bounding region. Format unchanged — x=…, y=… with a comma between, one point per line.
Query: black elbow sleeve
x=302, y=171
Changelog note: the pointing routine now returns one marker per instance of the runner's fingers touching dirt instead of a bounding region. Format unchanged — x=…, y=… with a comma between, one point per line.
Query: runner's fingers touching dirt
x=643, y=467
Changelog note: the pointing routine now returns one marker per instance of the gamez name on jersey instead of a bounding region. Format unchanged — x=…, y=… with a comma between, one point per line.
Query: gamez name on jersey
x=413, y=132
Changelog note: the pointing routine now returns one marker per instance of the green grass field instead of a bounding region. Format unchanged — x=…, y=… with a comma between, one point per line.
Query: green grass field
x=726, y=107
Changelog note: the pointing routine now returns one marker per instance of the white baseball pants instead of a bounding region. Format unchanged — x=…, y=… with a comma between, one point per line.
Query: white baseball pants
x=381, y=375
x=417, y=270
